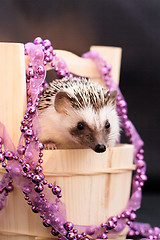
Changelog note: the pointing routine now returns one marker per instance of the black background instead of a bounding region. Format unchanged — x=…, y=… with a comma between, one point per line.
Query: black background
x=134, y=26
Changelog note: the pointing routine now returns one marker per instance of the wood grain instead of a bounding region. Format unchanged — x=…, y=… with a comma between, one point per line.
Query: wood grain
x=94, y=197
x=12, y=87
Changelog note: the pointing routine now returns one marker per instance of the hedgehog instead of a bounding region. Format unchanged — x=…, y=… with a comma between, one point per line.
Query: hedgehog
x=76, y=112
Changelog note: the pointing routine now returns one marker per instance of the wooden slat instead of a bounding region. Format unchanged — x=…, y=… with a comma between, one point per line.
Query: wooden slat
x=86, y=67
x=12, y=87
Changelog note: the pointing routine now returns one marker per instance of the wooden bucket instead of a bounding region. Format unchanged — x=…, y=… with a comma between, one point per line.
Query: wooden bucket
x=94, y=186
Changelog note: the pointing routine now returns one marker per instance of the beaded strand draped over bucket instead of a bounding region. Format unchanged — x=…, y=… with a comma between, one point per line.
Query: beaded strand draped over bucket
x=24, y=164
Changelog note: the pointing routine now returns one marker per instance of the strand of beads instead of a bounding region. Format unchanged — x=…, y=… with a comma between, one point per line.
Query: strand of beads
x=113, y=222
x=49, y=210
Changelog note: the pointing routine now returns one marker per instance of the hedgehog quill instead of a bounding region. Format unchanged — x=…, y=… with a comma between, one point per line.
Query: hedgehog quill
x=78, y=113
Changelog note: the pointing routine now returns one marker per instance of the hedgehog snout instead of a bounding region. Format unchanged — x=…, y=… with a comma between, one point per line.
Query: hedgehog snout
x=99, y=148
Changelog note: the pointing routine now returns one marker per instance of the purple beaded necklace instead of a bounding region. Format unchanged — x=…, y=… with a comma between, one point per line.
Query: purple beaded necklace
x=23, y=165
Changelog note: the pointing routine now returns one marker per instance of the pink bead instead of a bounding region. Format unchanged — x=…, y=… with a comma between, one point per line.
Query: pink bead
x=36, y=178
x=110, y=224
x=30, y=65
x=50, y=49
x=26, y=167
x=68, y=226
x=140, y=164
x=9, y=188
x=139, y=171
x=141, y=151
x=61, y=73
x=124, y=117
x=109, y=66
x=54, y=53
x=9, y=155
x=70, y=235
x=40, y=146
x=127, y=125
x=131, y=233
x=38, y=188
x=34, y=209
x=103, y=236
x=53, y=65
x=143, y=178
x=56, y=190
x=103, y=225
x=104, y=71
x=122, y=103
x=156, y=230
x=79, y=236
x=46, y=222
x=38, y=40
x=150, y=237
x=29, y=133
x=106, y=78
x=150, y=231
x=140, y=156
x=47, y=43
x=30, y=72
x=61, y=64
x=38, y=168
x=44, y=63
x=124, y=111
x=54, y=232
x=114, y=219
x=40, y=161
x=93, y=54
x=40, y=70
x=133, y=216
x=47, y=59
x=126, y=213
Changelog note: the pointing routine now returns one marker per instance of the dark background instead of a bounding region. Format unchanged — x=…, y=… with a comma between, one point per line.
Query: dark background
x=134, y=26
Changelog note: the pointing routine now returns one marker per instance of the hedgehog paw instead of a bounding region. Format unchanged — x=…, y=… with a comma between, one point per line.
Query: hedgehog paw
x=49, y=146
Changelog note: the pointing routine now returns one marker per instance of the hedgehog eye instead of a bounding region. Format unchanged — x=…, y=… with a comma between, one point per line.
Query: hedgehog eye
x=107, y=125
x=80, y=125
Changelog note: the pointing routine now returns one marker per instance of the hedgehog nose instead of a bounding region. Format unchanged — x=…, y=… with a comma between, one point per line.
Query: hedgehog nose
x=100, y=148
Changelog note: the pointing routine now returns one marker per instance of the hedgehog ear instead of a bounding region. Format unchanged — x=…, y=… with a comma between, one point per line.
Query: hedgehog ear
x=62, y=102
x=110, y=97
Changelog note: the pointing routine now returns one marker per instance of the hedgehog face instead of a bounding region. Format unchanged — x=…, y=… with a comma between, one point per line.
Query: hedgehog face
x=96, y=129
x=87, y=126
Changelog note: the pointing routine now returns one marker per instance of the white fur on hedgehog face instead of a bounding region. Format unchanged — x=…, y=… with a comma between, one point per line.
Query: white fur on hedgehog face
x=94, y=126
